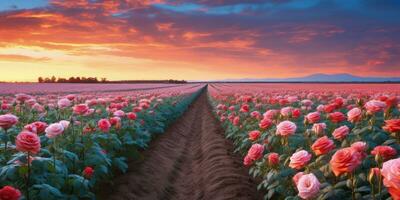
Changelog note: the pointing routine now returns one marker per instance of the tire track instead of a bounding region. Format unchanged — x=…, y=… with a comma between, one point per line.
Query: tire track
x=192, y=160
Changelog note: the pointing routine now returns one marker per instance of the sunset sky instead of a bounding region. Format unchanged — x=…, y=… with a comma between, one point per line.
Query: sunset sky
x=198, y=40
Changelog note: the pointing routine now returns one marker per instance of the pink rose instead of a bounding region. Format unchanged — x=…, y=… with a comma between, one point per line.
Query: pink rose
x=53, y=130
x=320, y=108
x=354, y=115
x=391, y=177
x=299, y=159
x=319, y=128
x=64, y=123
x=341, y=132
x=297, y=177
x=359, y=146
x=119, y=113
x=255, y=152
x=27, y=142
x=286, y=128
x=308, y=186
x=286, y=111
x=270, y=114
x=64, y=103
x=31, y=128
x=313, y=117
x=22, y=97
x=7, y=121
x=71, y=97
x=375, y=106
x=254, y=135
x=255, y=114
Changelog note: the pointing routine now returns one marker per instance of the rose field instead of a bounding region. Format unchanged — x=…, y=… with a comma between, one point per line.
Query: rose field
x=315, y=141
x=200, y=141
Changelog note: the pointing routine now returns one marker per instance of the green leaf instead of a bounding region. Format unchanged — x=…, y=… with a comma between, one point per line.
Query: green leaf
x=120, y=163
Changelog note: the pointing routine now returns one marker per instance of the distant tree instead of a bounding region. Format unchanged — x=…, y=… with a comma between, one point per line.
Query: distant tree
x=62, y=80
x=53, y=79
x=40, y=80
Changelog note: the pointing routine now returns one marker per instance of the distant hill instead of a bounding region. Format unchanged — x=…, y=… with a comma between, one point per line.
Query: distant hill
x=319, y=78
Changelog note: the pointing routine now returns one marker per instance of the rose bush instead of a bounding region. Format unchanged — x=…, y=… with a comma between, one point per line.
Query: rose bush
x=74, y=142
x=333, y=143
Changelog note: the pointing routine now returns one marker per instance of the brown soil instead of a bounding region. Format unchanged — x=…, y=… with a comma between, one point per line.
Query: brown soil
x=191, y=160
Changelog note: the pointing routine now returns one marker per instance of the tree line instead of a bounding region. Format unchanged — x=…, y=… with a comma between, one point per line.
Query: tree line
x=53, y=79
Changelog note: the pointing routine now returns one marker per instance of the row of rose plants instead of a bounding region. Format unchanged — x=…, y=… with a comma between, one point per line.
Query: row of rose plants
x=315, y=144
x=65, y=146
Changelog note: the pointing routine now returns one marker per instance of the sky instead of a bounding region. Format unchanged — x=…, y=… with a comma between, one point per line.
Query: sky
x=198, y=39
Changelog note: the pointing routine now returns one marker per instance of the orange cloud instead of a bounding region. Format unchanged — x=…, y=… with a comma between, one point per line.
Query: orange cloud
x=134, y=38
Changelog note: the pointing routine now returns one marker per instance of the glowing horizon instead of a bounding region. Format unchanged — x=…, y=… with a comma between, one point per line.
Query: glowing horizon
x=198, y=40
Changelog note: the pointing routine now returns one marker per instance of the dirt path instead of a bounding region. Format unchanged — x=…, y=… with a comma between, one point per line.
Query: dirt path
x=192, y=160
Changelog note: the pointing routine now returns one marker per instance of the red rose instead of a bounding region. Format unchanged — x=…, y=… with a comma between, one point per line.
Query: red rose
x=329, y=108
x=374, y=173
x=116, y=122
x=337, y=117
x=81, y=109
x=385, y=152
x=345, y=160
x=392, y=125
x=265, y=123
x=88, y=172
x=247, y=161
x=40, y=127
x=236, y=121
x=131, y=115
x=273, y=159
x=28, y=142
x=322, y=146
x=9, y=193
x=245, y=108
x=104, y=125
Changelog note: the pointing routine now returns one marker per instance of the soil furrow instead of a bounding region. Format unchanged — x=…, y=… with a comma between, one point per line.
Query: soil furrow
x=192, y=160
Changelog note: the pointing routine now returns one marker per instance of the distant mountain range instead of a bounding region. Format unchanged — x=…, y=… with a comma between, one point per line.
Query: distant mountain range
x=319, y=78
